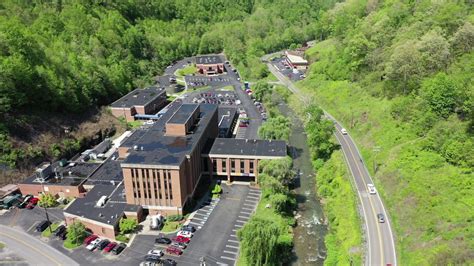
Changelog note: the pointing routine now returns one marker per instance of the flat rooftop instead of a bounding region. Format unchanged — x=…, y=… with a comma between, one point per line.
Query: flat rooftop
x=70, y=175
x=156, y=148
x=209, y=59
x=139, y=97
x=109, y=172
x=250, y=148
x=183, y=114
x=110, y=213
x=226, y=115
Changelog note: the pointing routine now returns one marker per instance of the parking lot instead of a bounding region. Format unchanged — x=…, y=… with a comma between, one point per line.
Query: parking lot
x=281, y=65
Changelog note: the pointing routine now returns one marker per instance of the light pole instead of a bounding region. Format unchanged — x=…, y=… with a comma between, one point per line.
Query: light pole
x=46, y=210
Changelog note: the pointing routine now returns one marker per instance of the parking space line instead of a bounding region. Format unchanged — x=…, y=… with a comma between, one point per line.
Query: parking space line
x=238, y=225
x=205, y=215
x=246, y=213
x=240, y=221
x=229, y=246
x=199, y=219
x=227, y=258
x=252, y=197
x=230, y=252
x=233, y=241
x=243, y=217
x=247, y=208
x=233, y=236
x=248, y=204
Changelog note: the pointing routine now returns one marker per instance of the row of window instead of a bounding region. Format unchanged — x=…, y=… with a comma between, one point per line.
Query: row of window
x=161, y=190
x=232, y=166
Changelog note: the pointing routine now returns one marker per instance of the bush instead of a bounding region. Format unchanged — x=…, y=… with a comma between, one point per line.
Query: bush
x=122, y=238
x=127, y=225
x=47, y=200
x=174, y=218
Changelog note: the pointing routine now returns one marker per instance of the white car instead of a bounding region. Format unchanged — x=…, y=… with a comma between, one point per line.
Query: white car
x=156, y=252
x=92, y=245
x=343, y=131
x=371, y=188
x=185, y=234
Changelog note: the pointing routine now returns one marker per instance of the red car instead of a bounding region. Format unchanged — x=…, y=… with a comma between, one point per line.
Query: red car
x=32, y=203
x=89, y=239
x=182, y=239
x=110, y=246
x=174, y=251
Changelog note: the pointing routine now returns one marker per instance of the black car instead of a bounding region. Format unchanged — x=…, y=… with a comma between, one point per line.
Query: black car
x=169, y=262
x=102, y=244
x=42, y=226
x=59, y=230
x=163, y=240
x=63, y=235
x=153, y=258
x=188, y=228
x=381, y=218
x=119, y=248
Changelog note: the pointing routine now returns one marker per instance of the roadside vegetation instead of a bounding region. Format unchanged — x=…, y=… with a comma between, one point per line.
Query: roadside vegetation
x=267, y=238
x=47, y=232
x=398, y=75
x=76, y=233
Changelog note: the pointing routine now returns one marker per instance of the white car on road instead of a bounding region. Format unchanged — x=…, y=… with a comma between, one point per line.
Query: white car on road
x=185, y=234
x=371, y=189
x=343, y=131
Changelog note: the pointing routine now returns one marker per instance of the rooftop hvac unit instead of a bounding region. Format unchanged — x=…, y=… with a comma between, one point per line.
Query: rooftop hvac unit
x=101, y=201
x=135, y=147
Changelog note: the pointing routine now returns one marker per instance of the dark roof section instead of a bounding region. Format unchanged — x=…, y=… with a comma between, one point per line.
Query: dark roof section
x=139, y=97
x=154, y=148
x=244, y=147
x=183, y=114
x=209, y=59
x=226, y=117
x=110, y=213
x=69, y=175
x=109, y=172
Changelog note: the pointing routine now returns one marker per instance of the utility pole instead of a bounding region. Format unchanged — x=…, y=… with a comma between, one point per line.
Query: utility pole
x=375, y=149
x=46, y=210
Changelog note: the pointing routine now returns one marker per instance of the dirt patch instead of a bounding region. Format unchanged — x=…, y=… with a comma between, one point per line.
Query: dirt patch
x=49, y=136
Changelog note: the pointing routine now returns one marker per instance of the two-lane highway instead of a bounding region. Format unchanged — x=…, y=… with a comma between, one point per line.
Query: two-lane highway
x=379, y=236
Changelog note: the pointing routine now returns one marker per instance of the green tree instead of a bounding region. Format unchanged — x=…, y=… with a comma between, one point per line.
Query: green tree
x=261, y=90
x=463, y=39
x=258, y=240
x=434, y=49
x=319, y=134
x=440, y=93
x=76, y=232
x=47, y=200
x=277, y=128
x=127, y=225
x=405, y=65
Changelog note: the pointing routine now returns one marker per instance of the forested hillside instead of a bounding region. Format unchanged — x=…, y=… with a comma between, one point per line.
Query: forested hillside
x=65, y=56
x=399, y=75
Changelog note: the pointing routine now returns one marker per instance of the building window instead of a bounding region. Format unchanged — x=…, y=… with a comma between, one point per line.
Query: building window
x=232, y=165
x=169, y=184
x=251, y=167
x=224, y=168
x=133, y=172
x=242, y=166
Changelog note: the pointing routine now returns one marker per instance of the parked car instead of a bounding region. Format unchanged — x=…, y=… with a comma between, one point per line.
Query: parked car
x=89, y=239
x=163, y=240
x=179, y=245
x=119, y=248
x=169, y=262
x=59, y=230
x=102, y=244
x=173, y=250
x=63, y=235
x=93, y=245
x=189, y=228
x=42, y=226
x=183, y=233
x=371, y=189
x=156, y=252
x=182, y=239
x=381, y=218
x=110, y=246
x=343, y=131
x=32, y=203
x=150, y=263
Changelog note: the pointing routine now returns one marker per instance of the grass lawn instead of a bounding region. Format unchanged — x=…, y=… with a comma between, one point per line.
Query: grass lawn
x=170, y=227
x=188, y=70
x=47, y=233
x=70, y=245
x=2, y=245
x=122, y=238
x=135, y=124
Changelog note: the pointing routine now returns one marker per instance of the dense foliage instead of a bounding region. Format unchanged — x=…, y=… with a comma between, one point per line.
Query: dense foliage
x=398, y=74
x=71, y=56
x=267, y=238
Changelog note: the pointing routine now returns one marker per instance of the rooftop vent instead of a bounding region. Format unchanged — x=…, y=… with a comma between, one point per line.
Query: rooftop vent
x=101, y=201
x=141, y=148
x=135, y=147
x=246, y=140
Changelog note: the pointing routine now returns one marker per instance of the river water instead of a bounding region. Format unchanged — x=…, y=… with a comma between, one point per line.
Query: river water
x=309, y=248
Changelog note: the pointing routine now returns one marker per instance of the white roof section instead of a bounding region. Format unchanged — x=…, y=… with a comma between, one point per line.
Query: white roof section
x=295, y=59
